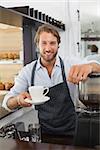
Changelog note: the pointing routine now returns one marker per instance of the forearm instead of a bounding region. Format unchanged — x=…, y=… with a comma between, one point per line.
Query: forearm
x=18, y=101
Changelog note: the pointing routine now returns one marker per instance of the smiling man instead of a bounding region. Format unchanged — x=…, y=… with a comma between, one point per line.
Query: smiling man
x=57, y=116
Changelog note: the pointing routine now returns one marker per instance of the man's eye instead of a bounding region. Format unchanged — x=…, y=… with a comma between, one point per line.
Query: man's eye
x=43, y=43
x=53, y=43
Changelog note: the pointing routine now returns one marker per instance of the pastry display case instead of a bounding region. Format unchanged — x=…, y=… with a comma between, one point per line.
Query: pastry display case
x=11, y=61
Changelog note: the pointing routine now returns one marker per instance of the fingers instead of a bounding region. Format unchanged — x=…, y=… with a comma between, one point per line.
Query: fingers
x=79, y=72
x=21, y=99
x=74, y=74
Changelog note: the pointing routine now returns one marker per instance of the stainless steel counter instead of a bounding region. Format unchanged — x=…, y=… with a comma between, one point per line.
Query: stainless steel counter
x=3, y=112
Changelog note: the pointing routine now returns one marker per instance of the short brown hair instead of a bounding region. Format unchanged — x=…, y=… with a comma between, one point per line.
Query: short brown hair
x=94, y=48
x=48, y=29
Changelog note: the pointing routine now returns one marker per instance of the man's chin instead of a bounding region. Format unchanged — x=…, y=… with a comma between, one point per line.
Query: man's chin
x=49, y=59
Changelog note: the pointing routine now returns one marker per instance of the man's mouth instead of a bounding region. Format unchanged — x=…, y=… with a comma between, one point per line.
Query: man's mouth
x=48, y=53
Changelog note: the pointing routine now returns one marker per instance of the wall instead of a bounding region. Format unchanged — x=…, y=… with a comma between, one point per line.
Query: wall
x=73, y=27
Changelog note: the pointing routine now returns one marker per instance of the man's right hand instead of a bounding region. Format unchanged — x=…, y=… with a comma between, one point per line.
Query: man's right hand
x=19, y=100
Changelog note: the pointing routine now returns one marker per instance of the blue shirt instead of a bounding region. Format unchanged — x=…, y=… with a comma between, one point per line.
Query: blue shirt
x=23, y=80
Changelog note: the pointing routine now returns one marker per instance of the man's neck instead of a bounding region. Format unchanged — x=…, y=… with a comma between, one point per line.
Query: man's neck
x=48, y=65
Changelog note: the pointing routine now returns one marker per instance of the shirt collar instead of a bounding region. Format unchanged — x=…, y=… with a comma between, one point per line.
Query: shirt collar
x=57, y=63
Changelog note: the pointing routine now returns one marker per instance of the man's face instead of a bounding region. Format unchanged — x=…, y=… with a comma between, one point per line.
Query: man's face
x=48, y=46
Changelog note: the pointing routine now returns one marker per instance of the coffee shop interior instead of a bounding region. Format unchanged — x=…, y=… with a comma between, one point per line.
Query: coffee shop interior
x=78, y=23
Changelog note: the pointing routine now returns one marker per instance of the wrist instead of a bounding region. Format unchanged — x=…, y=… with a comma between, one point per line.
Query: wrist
x=91, y=68
x=95, y=67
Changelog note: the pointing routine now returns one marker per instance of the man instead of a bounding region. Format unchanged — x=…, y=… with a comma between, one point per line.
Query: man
x=57, y=116
x=94, y=54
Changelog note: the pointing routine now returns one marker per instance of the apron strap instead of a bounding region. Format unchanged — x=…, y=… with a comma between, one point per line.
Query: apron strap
x=63, y=70
x=33, y=74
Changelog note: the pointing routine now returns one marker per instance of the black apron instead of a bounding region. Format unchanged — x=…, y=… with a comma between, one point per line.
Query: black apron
x=57, y=116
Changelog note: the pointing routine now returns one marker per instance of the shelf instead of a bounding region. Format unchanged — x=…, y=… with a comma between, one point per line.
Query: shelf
x=90, y=38
x=4, y=62
x=37, y=17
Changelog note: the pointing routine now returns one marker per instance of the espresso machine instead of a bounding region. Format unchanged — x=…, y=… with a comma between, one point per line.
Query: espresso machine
x=88, y=120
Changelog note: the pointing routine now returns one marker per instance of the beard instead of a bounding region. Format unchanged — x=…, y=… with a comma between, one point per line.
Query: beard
x=48, y=58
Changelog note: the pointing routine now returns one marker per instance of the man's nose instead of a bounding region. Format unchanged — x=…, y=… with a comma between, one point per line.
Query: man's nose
x=47, y=47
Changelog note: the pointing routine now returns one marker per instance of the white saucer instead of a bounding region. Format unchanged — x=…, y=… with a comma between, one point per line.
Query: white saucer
x=38, y=102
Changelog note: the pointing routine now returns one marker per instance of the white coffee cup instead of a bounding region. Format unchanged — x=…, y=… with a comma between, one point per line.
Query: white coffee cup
x=37, y=92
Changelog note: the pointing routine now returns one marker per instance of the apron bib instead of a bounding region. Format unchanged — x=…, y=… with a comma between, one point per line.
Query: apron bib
x=57, y=116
